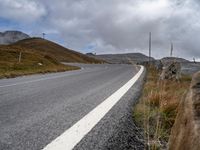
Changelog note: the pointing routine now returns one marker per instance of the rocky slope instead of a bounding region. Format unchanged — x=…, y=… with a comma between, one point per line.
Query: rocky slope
x=9, y=37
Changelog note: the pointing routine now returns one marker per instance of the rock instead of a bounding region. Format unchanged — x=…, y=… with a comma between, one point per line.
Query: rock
x=172, y=71
x=158, y=64
x=185, y=134
x=40, y=64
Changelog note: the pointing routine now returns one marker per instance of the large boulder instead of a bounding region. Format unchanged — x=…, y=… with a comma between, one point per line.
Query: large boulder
x=185, y=134
x=172, y=71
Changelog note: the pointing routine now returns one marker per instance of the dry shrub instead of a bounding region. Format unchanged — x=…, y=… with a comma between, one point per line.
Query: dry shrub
x=154, y=99
x=156, y=110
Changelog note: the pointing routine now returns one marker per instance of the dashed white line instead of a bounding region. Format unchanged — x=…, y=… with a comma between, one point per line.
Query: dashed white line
x=71, y=137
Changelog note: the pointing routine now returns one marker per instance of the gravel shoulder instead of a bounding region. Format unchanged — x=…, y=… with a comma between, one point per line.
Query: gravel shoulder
x=117, y=130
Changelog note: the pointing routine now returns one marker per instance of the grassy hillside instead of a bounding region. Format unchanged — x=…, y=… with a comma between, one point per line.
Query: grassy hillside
x=31, y=62
x=38, y=56
x=54, y=50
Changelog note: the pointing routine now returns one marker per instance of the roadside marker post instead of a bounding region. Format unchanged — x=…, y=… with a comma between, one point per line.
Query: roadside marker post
x=20, y=56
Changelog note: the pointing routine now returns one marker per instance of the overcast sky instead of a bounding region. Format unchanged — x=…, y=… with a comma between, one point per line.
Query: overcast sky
x=109, y=26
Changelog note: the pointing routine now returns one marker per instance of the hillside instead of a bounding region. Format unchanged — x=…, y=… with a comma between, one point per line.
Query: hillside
x=30, y=63
x=167, y=60
x=187, y=67
x=54, y=50
x=37, y=56
x=122, y=58
x=9, y=37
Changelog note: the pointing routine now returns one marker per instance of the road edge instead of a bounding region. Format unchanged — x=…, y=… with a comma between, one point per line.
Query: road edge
x=72, y=136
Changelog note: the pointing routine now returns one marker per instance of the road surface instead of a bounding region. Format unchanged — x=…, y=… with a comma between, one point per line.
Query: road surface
x=35, y=110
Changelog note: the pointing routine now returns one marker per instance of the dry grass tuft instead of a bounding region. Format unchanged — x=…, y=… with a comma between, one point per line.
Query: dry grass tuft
x=156, y=110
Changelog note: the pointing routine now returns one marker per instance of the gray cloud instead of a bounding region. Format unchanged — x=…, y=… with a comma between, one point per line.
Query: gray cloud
x=21, y=10
x=116, y=26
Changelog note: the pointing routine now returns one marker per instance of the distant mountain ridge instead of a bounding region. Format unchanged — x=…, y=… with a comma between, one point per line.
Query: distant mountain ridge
x=9, y=37
x=177, y=59
x=126, y=58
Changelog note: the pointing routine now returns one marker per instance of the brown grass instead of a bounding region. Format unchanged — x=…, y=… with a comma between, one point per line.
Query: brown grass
x=156, y=110
x=35, y=51
x=54, y=50
x=11, y=67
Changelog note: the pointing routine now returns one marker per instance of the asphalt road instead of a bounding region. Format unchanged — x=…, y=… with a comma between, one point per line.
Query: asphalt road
x=34, y=110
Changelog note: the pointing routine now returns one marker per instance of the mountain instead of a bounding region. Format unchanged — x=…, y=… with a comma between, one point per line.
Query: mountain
x=122, y=58
x=169, y=59
x=53, y=50
x=9, y=37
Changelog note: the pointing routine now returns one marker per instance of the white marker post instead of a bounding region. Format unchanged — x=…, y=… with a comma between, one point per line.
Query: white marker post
x=20, y=56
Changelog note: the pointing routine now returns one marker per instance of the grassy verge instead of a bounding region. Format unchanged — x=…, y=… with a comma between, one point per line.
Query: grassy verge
x=31, y=63
x=156, y=111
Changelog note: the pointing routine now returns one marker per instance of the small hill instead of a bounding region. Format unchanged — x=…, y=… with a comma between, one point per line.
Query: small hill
x=169, y=59
x=9, y=37
x=30, y=63
x=122, y=58
x=59, y=53
x=38, y=56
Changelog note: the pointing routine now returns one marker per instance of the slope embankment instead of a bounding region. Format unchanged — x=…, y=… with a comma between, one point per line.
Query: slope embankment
x=185, y=134
x=156, y=111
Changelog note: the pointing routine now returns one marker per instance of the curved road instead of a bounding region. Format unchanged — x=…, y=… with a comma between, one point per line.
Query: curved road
x=35, y=110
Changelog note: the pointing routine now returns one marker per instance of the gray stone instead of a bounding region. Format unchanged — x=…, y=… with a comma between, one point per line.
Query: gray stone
x=171, y=72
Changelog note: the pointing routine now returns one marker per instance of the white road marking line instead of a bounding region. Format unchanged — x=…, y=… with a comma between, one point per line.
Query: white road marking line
x=71, y=137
